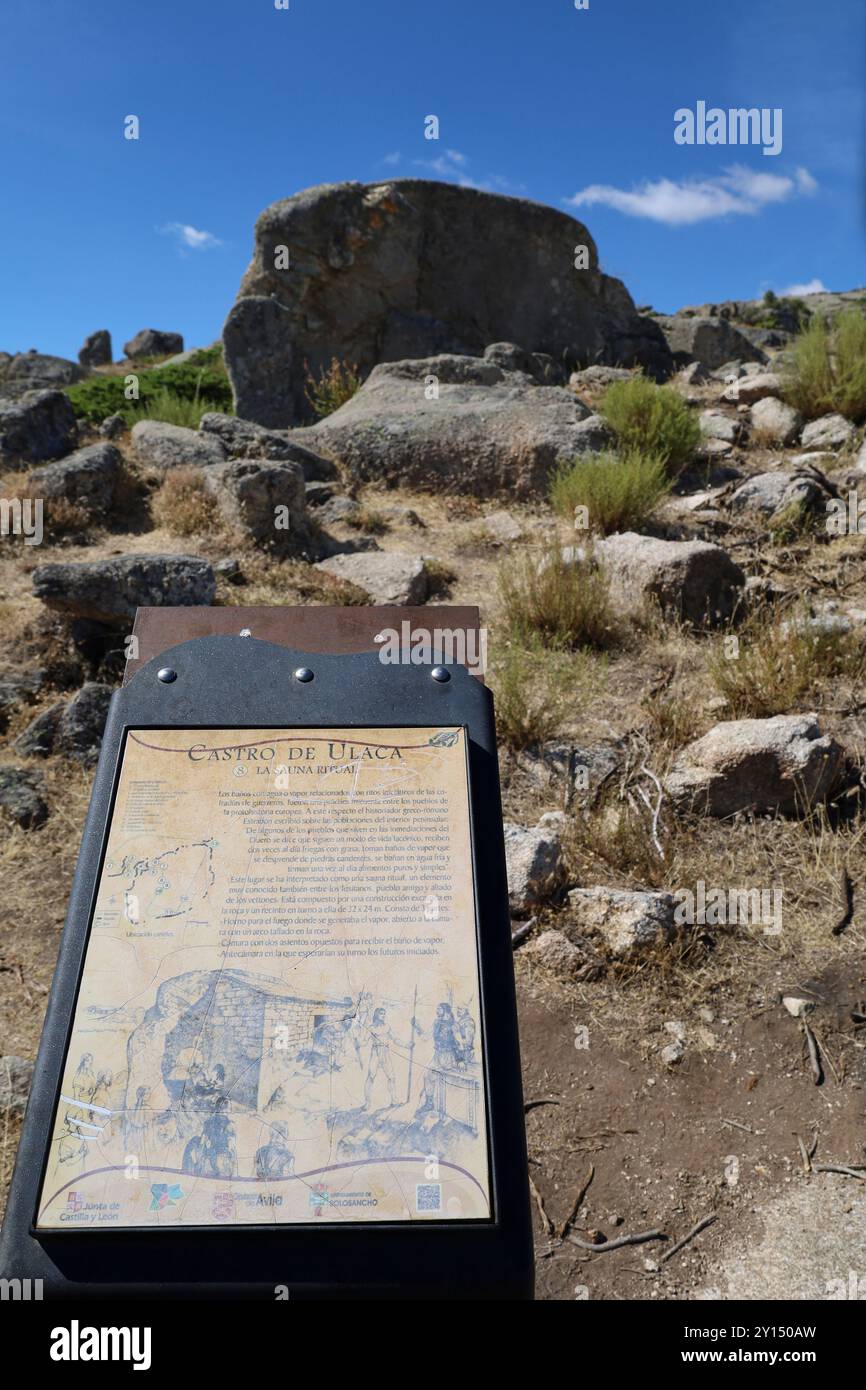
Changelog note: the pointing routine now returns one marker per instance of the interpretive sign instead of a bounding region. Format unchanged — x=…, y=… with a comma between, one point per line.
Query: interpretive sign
x=281, y=1050
x=279, y=1004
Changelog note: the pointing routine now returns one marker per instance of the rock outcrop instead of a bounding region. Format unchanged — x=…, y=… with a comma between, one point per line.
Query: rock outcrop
x=371, y=273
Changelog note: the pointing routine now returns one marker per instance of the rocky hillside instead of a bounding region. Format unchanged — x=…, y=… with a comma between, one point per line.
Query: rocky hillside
x=673, y=582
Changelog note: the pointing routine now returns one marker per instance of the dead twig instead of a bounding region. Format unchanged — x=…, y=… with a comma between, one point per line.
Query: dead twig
x=533, y=1104
x=695, y=1231
x=617, y=1244
x=847, y=892
x=576, y=1205
x=858, y=1173
x=814, y=1059
x=521, y=933
x=549, y=1228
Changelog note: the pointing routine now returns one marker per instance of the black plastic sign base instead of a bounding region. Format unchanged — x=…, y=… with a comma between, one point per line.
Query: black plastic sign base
x=244, y=1090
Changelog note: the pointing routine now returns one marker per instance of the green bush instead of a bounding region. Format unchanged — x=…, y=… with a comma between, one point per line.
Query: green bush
x=99, y=396
x=566, y=604
x=619, y=493
x=653, y=420
x=538, y=691
x=828, y=371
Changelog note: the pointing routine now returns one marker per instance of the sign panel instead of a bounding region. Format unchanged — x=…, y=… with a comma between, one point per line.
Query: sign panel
x=278, y=1018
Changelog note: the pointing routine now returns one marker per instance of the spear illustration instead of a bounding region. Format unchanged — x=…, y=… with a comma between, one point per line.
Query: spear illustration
x=412, y=1045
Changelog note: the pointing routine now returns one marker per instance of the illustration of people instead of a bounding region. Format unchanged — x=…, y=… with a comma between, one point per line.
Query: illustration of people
x=71, y=1146
x=447, y=1054
x=382, y=1040
x=84, y=1080
x=218, y=1147
x=136, y=1122
x=275, y=1159
x=465, y=1032
x=358, y=1026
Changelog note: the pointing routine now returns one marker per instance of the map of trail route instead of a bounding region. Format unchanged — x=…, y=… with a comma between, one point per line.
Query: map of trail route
x=278, y=1019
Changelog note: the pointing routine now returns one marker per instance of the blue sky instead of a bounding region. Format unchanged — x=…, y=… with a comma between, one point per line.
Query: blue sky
x=241, y=104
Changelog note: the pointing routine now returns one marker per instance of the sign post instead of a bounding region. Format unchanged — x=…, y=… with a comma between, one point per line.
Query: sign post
x=281, y=1048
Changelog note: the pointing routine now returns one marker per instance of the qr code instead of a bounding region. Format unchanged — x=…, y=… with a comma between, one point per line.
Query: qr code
x=428, y=1196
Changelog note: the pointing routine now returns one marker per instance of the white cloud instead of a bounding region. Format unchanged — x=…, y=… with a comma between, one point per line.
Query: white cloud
x=738, y=191
x=815, y=286
x=449, y=164
x=393, y=158
x=190, y=237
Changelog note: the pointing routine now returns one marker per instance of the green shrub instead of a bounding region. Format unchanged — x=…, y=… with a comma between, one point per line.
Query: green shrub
x=619, y=493
x=99, y=396
x=652, y=420
x=536, y=691
x=828, y=371
x=170, y=407
x=565, y=604
x=333, y=386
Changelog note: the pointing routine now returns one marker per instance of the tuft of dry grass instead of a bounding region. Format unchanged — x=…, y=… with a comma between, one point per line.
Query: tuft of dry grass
x=828, y=371
x=777, y=664
x=618, y=493
x=332, y=387
x=536, y=691
x=566, y=603
x=182, y=506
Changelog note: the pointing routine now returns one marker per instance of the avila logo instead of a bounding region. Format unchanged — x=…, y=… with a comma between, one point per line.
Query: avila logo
x=164, y=1194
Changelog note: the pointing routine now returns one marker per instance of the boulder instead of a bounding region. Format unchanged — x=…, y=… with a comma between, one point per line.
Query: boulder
x=151, y=342
x=764, y=765
x=596, y=378
x=593, y=435
x=696, y=580
x=712, y=341
x=775, y=492
x=556, y=953
x=262, y=499
x=384, y=578
x=372, y=273
x=828, y=432
x=776, y=420
x=17, y=687
x=533, y=859
x=16, y=1076
x=81, y=725
x=37, y=371
x=758, y=386
x=110, y=591
x=242, y=439
x=95, y=351
x=502, y=527
x=37, y=740
x=112, y=427
x=41, y=425
x=162, y=447
x=539, y=367
x=486, y=432
x=628, y=921
x=22, y=800
x=715, y=424
x=88, y=478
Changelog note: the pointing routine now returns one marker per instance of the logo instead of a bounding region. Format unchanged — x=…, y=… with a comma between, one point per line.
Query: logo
x=75, y=1201
x=222, y=1206
x=164, y=1194
x=318, y=1196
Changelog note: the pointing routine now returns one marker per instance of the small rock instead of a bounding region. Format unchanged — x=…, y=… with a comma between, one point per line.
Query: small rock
x=230, y=570
x=339, y=508
x=796, y=1006
x=263, y=499
x=533, y=858
x=749, y=389
x=776, y=420
x=556, y=953
x=829, y=432
x=385, y=578
x=37, y=740
x=592, y=378
x=715, y=424
x=768, y=493
x=673, y=1053
x=110, y=591
x=502, y=527
x=112, y=427
x=21, y=798
x=628, y=921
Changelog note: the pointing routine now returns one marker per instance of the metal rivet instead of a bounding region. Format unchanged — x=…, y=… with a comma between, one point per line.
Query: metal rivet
x=167, y=675
x=440, y=674
x=245, y=632
x=303, y=674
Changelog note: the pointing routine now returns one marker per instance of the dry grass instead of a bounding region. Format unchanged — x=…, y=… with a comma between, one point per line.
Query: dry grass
x=538, y=691
x=332, y=387
x=183, y=506
x=609, y=492
x=565, y=603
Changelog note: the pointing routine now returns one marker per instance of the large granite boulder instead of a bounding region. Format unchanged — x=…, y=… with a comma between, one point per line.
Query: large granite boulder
x=695, y=580
x=88, y=478
x=484, y=431
x=95, y=351
x=386, y=578
x=765, y=765
x=242, y=439
x=110, y=591
x=38, y=371
x=153, y=342
x=379, y=272
x=162, y=447
x=712, y=341
x=263, y=499
x=40, y=425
